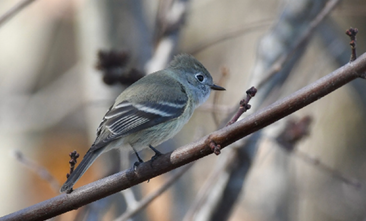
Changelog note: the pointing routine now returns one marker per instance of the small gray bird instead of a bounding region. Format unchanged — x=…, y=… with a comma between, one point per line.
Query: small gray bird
x=150, y=111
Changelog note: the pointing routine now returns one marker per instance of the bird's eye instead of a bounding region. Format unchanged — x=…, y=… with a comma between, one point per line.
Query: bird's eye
x=200, y=77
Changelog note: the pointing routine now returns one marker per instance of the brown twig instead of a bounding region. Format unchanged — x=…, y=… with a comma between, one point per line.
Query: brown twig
x=352, y=32
x=14, y=10
x=194, y=151
x=74, y=156
x=244, y=105
x=39, y=170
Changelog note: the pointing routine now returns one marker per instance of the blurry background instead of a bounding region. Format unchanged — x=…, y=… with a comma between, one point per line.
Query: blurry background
x=52, y=98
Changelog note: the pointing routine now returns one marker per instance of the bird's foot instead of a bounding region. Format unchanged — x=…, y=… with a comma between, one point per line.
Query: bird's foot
x=157, y=154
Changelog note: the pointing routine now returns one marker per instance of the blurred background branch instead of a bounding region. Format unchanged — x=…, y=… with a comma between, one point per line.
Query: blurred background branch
x=199, y=149
x=53, y=98
x=14, y=10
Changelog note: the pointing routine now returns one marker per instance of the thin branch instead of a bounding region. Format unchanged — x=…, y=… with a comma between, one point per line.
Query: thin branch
x=148, y=199
x=277, y=66
x=130, y=198
x=14, y=10
x=204, y=195
x=244, y=105
x=293, y=133
x=321, y=166
x=39, y=170
x=191, y=152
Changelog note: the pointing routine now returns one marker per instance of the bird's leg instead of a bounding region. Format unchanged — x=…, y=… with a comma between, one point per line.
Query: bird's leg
x=157, y=153
x=135, y=165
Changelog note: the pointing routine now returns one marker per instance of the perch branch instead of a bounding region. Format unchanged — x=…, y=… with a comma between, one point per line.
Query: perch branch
x=191, y=152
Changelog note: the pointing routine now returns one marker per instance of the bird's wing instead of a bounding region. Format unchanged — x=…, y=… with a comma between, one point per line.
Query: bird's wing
x=127, y=117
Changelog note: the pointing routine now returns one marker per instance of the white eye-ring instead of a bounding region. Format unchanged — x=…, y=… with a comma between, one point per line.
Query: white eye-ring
x=200, y=77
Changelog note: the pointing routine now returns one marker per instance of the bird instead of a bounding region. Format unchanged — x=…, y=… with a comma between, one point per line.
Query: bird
x=150, y=111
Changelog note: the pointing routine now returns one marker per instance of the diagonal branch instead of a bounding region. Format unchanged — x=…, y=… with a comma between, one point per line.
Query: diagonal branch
x=191, y=152
x=148, y=199
x=15, y=10
x=280, y=62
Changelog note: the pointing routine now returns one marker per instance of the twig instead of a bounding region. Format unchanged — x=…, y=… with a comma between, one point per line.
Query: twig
x=14, y=10
x=39, y=170
x=194, y=151
x=244, y=105
x=352, y=32
x=74, y=156
x=148, y=199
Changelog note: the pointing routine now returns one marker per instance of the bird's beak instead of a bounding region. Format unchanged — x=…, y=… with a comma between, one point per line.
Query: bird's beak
x=217, y=88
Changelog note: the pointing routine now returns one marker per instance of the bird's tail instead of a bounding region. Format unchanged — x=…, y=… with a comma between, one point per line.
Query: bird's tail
x=87, y=161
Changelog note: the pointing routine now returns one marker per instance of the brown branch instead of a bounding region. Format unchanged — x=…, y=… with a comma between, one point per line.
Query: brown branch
x=191, y=152
x=222, y=205
x=244, y=105
x=14, y=10
x=74, y=156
